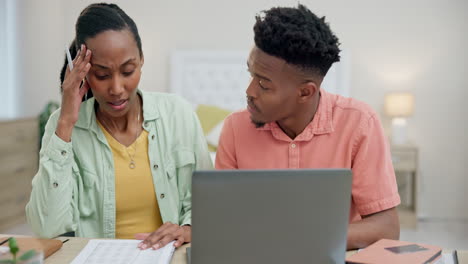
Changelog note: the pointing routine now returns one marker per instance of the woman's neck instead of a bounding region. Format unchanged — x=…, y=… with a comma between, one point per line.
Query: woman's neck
x=131, y=121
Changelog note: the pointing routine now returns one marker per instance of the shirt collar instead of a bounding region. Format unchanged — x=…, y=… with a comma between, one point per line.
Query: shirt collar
x=322, y=123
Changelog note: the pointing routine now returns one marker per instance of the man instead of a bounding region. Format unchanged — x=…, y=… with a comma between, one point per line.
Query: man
x=290, y=122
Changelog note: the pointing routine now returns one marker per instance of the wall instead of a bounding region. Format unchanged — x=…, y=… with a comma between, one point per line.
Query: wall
x=8, y=104
x=40, y=47
x=417, y=46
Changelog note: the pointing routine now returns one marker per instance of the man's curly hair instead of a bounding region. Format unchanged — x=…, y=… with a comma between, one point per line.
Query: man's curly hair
x=297, y=36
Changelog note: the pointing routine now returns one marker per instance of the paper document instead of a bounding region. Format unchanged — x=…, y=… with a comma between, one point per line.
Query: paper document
x=447, y=258
x=120, y=251
x=4, y=250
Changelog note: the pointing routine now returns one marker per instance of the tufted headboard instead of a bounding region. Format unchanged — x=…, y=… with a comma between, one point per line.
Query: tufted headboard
x=220, y=78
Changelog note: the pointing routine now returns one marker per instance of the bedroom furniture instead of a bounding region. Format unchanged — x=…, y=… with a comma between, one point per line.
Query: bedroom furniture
x=399, y=106
x=19, y=140
x=405, y=163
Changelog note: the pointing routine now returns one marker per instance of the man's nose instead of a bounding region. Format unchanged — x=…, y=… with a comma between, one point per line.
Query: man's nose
x=251, y=90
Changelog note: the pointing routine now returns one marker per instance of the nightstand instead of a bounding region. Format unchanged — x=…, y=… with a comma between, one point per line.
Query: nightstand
x=405, y=163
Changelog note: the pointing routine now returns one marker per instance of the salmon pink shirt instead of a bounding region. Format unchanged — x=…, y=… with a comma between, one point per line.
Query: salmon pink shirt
x=344, y=133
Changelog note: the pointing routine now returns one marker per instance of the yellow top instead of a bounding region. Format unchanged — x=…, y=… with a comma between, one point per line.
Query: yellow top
x=137, y=209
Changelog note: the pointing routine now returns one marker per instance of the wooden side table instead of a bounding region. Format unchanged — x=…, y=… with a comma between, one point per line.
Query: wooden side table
x=405, y=163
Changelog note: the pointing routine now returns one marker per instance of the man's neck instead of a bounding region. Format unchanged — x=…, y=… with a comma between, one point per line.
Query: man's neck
x=295, y=125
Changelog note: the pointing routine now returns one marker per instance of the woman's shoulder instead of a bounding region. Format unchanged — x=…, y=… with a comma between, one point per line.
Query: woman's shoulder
x=165, y=103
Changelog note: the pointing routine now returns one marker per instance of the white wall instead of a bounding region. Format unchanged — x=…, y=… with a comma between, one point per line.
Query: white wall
x=417, y=46
x=40, y=45
x=8, y=52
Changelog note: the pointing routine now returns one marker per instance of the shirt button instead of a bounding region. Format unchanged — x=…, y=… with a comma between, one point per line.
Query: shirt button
x=155, y=166
x=152, y=137
x=64, y=153
x=293, y=145
x=55, y=185
x=162, y=196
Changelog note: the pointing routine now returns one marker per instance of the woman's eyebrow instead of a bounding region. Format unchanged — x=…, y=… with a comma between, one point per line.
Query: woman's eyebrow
x=105, y=67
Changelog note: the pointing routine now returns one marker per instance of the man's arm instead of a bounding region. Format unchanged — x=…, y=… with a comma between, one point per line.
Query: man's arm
x=374, y=191
x=384, y=224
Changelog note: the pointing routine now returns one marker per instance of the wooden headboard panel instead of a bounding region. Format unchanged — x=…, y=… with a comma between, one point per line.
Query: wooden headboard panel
x=19, y=154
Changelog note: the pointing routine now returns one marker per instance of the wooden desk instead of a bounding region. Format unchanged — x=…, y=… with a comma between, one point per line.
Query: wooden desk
x=71, y=249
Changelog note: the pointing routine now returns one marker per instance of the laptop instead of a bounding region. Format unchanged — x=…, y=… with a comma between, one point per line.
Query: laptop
x=270, y=216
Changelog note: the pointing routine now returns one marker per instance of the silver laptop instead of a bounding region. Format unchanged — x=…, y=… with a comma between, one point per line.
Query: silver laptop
x=270, y=216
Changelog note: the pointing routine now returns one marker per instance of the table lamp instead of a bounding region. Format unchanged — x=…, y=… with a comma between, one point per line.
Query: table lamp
x=399, y=106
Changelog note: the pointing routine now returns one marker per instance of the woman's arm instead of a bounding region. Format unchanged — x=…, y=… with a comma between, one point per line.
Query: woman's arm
x=51, y=210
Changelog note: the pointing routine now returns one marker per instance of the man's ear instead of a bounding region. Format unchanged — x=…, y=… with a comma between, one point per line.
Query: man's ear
x=307, y=91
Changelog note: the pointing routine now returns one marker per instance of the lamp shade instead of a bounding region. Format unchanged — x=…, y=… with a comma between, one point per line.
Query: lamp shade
x=399, y=104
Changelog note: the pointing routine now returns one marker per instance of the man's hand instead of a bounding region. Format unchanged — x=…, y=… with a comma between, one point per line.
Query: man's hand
x=165, y=234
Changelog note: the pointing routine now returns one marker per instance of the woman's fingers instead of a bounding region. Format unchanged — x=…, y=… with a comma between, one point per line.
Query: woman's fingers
x=75, y=87
x=82, y=64
x=179, y=241
x=83, y=67
x=141, y=236
x=67, y=71
x=161, y=237
x=79, y=56
x=163, y=241
x=84, y=88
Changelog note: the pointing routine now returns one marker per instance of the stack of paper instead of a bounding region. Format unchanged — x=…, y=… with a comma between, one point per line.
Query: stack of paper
x=122, y=251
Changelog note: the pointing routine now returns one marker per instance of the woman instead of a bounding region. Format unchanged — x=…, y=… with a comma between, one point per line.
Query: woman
x=118, y=164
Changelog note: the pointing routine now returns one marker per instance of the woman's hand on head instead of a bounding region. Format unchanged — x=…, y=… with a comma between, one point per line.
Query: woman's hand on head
x=165, y=234
x=74, y=88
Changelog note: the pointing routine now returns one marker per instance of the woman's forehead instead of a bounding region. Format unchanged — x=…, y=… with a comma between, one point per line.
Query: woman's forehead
x=115, y=47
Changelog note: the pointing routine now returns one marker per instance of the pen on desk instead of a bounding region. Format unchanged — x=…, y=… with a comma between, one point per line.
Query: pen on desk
x=63, y=242
x=69, y=59
x=4, y=241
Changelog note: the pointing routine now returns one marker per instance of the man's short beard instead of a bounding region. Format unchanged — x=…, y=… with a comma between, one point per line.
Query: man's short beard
x=258, y=124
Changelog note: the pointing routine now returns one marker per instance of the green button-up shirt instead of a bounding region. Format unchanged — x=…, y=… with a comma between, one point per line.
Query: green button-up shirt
x=74, y=189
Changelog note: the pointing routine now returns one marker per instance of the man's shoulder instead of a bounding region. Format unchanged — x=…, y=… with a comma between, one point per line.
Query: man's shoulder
x=240, y=122
x=240, y=117
x=352, y=106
